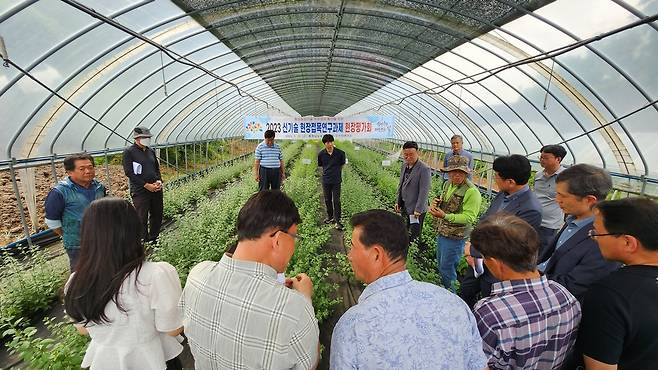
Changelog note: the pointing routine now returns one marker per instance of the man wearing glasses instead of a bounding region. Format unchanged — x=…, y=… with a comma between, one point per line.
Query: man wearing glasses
x=573, y=259
x=236, y=314
x=619, y=311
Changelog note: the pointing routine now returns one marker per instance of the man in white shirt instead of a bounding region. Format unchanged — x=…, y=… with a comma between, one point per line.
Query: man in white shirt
x=235, y=312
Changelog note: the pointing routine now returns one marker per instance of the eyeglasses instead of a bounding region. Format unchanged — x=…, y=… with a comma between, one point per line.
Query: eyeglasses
x=593, y=234
x=294, y=236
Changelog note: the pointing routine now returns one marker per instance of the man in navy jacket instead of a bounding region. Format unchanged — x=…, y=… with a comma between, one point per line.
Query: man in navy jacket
x=511, y=174
x=573, y=259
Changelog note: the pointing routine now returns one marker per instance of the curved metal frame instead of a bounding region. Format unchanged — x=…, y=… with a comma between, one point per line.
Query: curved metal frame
x=606, y=60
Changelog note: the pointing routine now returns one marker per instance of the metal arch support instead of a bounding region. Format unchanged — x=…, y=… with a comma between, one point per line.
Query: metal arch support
x=45, y=56
x=225, y=102
x=619, y=144
x=609, y=135
x=156, y=89
x=134, y=86
x=434, y=110
x=73, y=75
x=165, y=129
x=209, y=96
x=100, y=88
x=469, y=124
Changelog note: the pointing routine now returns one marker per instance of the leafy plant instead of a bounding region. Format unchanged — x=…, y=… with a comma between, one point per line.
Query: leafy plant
x=181, y=198
x=204, y=235
x=29, y=287
x=64, y=349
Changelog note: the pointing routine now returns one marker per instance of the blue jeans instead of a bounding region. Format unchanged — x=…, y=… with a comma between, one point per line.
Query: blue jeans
x=448, y=253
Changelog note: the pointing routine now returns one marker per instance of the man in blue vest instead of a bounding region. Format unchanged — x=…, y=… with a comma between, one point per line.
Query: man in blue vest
x=67, y=201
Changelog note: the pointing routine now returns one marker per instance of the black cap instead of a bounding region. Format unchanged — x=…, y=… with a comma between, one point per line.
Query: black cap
x=141, y=131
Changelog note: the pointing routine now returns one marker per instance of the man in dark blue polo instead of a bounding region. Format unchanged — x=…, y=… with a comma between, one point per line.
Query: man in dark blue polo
x=511, y=174
x=331, y=159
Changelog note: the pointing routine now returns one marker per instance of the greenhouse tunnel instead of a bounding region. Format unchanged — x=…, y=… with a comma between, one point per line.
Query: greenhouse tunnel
x=508, y=76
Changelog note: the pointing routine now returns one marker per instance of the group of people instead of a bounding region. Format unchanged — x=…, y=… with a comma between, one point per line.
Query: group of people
x=269, y=172
x=553, y=295
x=68, y=200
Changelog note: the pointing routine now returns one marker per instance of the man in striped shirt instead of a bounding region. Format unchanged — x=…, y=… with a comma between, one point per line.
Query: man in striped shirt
x=528, y=322
x=268, y=167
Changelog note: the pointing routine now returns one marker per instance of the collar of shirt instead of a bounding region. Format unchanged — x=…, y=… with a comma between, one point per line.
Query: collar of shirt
x=263, y=143
x=385, y=282
x=573, y=223
x=510, y=197
x=511, y=286
x=92, y=185
x=542, y=174
x=247, y=267
x=406, y=166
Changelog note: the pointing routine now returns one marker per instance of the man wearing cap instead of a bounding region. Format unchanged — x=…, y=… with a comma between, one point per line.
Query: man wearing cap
x=140, y=164
x=456, y=210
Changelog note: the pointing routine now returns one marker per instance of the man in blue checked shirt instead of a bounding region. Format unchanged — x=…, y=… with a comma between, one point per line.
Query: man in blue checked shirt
x=400, y=323
x=268, y=167
x=528, y=321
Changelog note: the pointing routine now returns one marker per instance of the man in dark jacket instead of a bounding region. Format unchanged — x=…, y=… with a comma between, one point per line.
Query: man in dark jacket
x=140, y=164
x=413, y=191
x=573, y=259
x=511, y=174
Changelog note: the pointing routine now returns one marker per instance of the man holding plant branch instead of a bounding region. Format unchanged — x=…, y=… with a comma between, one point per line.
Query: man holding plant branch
x=235, y=312
x=456, y=210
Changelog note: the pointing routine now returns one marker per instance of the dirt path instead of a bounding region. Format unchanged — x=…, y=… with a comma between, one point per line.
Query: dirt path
x=348, y=291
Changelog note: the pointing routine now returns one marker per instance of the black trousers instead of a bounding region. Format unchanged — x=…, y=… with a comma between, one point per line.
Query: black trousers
x=471, y=286
x=332, y=200
x=174, y=364
x=270, y=178
x=149, y=209
x=414, y=229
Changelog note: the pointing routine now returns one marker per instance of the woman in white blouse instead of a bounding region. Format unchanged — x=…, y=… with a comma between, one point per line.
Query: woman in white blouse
x=129, y=307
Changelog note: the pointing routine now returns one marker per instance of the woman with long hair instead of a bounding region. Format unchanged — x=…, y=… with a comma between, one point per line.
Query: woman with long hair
x=128, y=306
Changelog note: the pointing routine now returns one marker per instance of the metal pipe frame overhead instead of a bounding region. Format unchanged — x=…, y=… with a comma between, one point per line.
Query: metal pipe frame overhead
x=322, y=58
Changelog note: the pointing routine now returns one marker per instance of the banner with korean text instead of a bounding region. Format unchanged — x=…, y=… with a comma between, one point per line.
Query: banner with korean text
x=363, y=127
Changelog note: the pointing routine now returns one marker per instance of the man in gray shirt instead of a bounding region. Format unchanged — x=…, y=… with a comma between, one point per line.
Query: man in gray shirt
x=552, y=215
x=457, y=145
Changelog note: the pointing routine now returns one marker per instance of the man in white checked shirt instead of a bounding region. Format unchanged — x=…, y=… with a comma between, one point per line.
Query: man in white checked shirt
x=236, y=314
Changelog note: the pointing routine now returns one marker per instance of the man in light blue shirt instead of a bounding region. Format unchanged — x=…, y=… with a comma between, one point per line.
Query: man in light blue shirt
x=268, y=166
x=457, y=144
x=400, y=323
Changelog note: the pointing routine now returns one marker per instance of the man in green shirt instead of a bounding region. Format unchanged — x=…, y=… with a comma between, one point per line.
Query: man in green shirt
x=457, y=210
